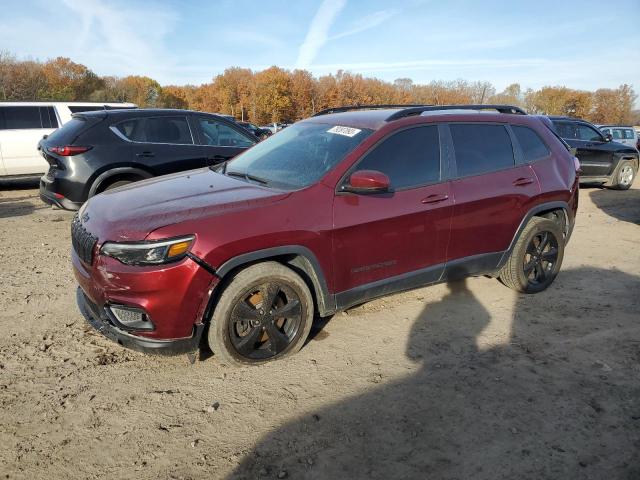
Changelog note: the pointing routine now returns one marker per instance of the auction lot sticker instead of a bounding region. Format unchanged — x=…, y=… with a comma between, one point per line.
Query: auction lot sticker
x=346, y=131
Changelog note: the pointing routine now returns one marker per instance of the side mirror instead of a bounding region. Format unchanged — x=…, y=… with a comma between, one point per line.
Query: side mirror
x=608, y=137
x=367, y=181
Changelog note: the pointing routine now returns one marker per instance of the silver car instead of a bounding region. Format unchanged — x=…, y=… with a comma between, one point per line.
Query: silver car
x=621, y=134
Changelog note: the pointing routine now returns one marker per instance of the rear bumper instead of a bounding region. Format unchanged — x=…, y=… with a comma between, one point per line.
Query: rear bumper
x=48, y=196
x=99, y=320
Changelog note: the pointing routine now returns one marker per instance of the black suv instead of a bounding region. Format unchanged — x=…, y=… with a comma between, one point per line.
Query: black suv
x=97, y=151
x=601, y=159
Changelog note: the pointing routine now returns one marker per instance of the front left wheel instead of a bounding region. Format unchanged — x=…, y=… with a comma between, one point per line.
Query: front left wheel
x=265, y=313
x=624, y=175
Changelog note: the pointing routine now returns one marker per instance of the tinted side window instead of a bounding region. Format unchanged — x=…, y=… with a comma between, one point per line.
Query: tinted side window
x=217, y=133
x=585, y=132
x=617, y=134
x=481, y=148
x=20, y=118
x=530, y=142
x=409, y=158
x=49, y=119
x=173, y=130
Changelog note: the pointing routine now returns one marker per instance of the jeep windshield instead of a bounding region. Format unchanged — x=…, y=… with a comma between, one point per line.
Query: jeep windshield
x=297, y=156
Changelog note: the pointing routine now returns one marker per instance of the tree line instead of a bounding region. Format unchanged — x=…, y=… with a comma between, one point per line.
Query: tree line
x=276, y=94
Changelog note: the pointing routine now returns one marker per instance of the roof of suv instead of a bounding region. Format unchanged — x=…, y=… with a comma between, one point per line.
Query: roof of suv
x=145, y=112
x=374, y=117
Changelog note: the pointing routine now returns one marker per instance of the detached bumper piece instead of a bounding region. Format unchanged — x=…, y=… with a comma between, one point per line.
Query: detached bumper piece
x=98, y=319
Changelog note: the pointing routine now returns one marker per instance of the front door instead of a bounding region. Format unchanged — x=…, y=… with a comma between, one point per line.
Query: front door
x=397, y=240
x=220, y=140
x=592, y=149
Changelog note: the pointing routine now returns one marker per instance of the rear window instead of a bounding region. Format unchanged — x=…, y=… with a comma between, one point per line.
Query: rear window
x=172, y=130
x=91, y=108
x=530, y=142
x=481, y=148
x=628, y=134
x=66, y=134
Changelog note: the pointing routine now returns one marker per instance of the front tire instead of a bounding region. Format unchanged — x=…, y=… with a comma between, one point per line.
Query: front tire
x=624, y=175
x=265, y=313
x=536, y=258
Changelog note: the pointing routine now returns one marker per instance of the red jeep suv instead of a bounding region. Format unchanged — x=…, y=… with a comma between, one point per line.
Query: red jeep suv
x=351, y=204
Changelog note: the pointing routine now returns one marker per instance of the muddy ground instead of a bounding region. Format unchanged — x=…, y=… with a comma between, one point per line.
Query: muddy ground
x=461, y=381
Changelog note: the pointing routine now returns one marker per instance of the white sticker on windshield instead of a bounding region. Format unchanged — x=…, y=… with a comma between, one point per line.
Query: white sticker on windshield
x=346, y=131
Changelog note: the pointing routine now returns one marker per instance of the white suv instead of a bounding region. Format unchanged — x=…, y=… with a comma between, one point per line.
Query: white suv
x=23, y=124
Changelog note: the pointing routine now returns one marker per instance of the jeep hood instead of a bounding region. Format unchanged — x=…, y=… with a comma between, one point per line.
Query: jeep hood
x=131, y=212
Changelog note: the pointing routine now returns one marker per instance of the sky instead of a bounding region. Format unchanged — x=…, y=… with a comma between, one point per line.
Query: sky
x=581, y=44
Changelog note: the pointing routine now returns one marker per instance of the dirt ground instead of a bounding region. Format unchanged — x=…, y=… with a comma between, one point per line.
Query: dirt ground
x=460, y=381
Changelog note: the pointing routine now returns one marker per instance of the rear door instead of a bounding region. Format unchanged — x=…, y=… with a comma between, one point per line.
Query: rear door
x=592, y=149
x=492, y=194
x=21, y=128
x=385, y=235
x=220, y=140
x=164, y=144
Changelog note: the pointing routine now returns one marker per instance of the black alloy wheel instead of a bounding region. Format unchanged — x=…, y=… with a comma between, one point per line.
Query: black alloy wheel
x=264, y=321
x=540, y=258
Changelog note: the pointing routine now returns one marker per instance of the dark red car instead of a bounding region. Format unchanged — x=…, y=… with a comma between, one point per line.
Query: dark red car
x=335, y=210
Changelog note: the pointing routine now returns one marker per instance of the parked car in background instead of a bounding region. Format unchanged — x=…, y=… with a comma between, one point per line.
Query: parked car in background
x=334, y=211
x=601, y=159
x=621, y=134
x=23, y=124
x=261, y=133
x=102, y=150
x=275, y=127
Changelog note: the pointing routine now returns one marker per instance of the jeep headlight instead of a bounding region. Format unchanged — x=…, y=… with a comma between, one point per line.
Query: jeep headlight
x=153, y=252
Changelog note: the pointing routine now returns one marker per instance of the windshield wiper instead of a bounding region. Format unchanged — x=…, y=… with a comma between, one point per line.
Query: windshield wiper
x=248, y=176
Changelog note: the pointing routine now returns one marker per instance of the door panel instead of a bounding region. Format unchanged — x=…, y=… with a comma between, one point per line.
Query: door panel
x=384, y=235
x=20, y=153
x=488, y=210
x=220, y=141
x=594, y=153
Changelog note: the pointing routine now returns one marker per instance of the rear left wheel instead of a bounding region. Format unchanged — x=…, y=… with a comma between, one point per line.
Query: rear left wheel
x=536, y=257
x=264, y=314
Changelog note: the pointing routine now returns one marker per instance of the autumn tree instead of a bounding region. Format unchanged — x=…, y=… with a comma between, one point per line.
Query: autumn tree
x=67, y=80
x=613, y=106
x=273, y=95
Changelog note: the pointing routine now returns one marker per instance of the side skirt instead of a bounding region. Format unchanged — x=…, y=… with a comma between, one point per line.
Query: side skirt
x=476, y=265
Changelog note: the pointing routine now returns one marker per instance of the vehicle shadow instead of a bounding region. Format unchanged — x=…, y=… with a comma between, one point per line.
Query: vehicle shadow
x=619, y=204
x=558, y=400
x=16, y=207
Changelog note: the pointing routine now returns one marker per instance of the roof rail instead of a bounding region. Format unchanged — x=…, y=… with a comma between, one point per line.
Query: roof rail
x=363, y=107
x=417, y=110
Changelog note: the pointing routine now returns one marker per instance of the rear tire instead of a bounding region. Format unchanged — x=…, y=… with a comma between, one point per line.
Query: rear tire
x=623, y=177
x=265, y=313
x=536, y=258
x=116, y=184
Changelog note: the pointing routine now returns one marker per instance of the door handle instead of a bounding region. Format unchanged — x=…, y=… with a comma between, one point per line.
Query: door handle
x=435, y=198
x=145, y=155
x=520, y=182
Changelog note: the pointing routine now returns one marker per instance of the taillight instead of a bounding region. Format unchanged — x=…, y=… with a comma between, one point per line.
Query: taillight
x=68, y=151
x=576, y=164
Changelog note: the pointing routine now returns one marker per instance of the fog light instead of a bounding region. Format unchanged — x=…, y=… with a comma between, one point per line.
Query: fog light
x=131, y=318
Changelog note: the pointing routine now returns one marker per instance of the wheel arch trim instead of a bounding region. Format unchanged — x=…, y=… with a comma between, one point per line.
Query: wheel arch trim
x=557, y=205
x=100, y=179
x=303, y=259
